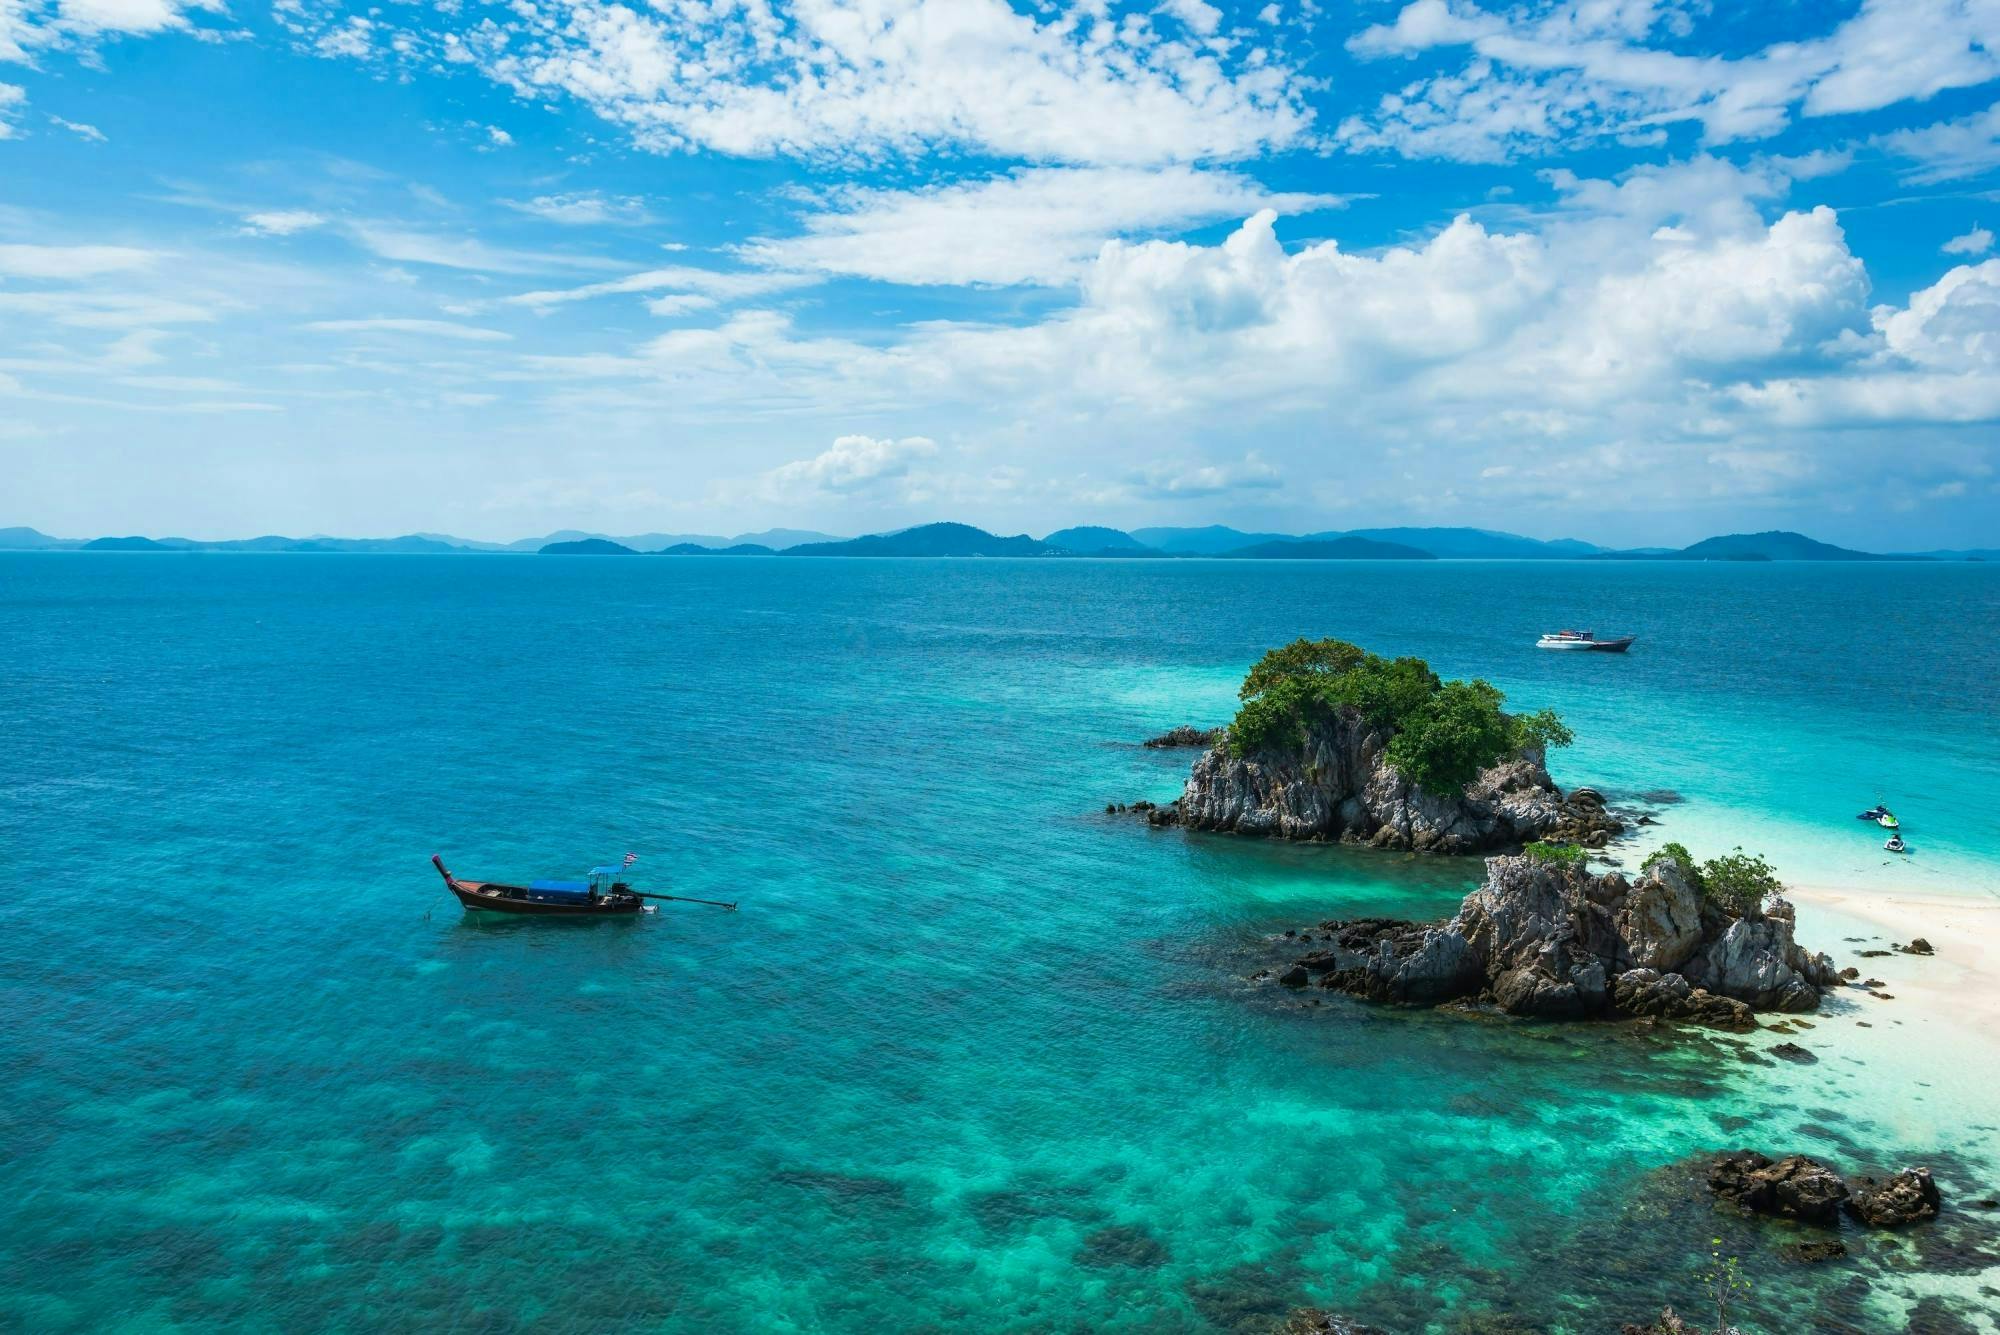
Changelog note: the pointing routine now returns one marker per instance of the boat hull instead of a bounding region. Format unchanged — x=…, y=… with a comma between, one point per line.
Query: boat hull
x=483, y=897
x=1617, y=646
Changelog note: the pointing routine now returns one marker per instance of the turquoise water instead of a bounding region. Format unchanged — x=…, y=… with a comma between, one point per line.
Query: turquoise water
x=974, y=1055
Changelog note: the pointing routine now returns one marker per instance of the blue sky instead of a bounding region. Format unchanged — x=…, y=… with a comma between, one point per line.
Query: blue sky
x=1629, y=270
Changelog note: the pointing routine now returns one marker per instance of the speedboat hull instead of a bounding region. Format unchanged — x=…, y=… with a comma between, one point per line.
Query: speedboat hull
x=1617, y=646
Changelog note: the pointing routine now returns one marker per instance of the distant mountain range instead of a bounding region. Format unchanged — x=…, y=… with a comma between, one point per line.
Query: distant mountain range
x=1366, y=544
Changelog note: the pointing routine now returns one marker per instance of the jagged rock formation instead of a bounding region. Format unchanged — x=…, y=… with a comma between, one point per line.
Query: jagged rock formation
x=1548, y=939
x=1338, y=785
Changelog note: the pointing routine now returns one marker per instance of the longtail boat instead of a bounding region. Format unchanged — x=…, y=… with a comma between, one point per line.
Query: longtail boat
x=602, y=894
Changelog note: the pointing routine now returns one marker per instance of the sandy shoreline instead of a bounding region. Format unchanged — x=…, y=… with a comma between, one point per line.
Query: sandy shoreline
x=1958, y=987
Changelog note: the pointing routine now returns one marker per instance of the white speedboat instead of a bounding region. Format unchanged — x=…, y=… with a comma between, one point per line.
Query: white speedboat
x=1583, y=639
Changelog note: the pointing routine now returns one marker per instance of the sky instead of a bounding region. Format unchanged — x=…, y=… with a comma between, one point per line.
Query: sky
x=1633, y=271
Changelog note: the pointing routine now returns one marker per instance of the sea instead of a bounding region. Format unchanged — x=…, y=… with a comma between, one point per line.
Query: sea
x=974, y=1054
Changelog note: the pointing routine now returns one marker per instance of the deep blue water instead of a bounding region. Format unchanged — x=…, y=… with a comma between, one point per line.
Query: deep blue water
x=973, y=1055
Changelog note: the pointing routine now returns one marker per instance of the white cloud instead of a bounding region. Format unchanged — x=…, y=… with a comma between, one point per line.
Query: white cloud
x=12, y=98
x=498, y=138
x=1039, y=225
x=130, y=16
x=429, y=328
x=281, y=222
x=1602, y=352
x=392, y=241
x=1199, y=16
x=80, y=25
x=1949, y=150
x=1194, y=481
x=81, y=131
x=581, y=208
x=1954, y=324
x=1071, y=83
x=353, y=39
x=682, y=284
x=1539, y=78
x=851, y=465
x=1975, y=242
x=71, y=262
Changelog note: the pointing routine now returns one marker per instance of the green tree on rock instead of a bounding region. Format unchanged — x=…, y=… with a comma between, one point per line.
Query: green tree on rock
x=1442, y=733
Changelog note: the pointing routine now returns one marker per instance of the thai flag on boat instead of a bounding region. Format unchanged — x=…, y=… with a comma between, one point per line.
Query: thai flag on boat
x=631, y=858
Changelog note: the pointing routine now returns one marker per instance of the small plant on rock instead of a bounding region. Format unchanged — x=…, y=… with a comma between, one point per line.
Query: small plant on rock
x=1557, y=855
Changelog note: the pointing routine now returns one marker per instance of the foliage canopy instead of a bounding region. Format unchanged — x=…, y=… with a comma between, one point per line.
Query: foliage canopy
x=1737, y=883
x=1442, y=733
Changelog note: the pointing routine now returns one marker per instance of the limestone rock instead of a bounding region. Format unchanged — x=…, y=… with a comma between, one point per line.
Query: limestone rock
x=1550, y=940
x=1338, y=785
x=1755, y=960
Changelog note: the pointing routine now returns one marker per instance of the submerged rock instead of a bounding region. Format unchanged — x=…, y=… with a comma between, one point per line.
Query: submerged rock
x=1312, y=1321
x=1812, y=1253
x=1339, y=785
x=1551, y=940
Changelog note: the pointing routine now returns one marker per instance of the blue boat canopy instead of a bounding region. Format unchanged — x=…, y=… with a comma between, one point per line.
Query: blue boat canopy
x=568, y=887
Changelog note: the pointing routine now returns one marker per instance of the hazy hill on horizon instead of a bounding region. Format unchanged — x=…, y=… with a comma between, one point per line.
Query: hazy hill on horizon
x=949, y=538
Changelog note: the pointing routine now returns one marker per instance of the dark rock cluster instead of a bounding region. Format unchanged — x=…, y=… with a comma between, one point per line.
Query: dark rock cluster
x=1803, y=1188
x=1185, y=735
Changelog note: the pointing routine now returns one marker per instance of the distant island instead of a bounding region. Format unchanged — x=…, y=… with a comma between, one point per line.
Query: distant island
x=1215, y=541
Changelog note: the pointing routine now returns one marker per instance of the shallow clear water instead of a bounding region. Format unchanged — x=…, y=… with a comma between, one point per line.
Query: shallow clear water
x=973, y=1055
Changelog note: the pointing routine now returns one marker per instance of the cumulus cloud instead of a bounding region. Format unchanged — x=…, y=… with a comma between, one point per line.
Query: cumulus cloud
x=1069, y=83
x=850, y=466
x=1627, y=337
x=12, y=98
x=1975, y=242
x=1536, y=78
x=1038, y=225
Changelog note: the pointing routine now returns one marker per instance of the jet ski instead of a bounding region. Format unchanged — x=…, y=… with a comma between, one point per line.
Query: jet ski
x=1888, y=822
x=1876, y=812
x=1896, y=844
